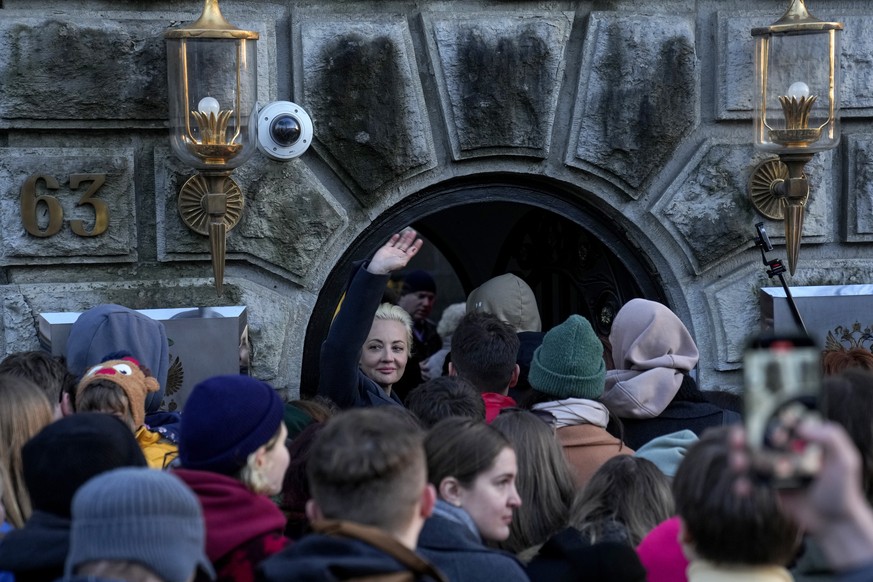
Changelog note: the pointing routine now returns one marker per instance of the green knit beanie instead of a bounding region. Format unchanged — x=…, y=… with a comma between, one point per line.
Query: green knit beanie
x=569, y=363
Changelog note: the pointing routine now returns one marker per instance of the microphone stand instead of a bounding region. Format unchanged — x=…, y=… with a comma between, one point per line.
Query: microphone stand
x=775, y=268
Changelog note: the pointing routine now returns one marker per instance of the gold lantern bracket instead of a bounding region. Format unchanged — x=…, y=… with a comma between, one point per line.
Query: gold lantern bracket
x=765, y=183
x=200, y=202
x=211, y=204
x=779, y=190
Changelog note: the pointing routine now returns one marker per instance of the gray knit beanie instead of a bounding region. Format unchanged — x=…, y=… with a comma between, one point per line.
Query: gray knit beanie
x=139, y=515
x=569, y=363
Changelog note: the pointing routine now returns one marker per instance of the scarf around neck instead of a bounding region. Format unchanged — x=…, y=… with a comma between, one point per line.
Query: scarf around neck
x=457, y=515
x=573, y=411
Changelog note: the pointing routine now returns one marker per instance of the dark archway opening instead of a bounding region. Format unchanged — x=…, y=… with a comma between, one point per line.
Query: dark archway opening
x=574, y=257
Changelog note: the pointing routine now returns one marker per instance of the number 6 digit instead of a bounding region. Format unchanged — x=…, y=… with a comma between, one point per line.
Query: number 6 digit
x=30, y=201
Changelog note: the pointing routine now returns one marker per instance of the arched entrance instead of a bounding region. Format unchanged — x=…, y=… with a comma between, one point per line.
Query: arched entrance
x=574, y=257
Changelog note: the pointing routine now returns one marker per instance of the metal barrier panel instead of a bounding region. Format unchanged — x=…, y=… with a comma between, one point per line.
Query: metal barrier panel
x=204, y=342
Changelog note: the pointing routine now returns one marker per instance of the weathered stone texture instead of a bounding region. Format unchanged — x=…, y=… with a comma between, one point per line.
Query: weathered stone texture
x=71, y=68
x=735, y=314
x=289, y=216
x=500, y=75
x=19, y=322
x=638, y=94
x=362, y=89
x=707, y=207
x=859, y=218
x=118, y=243
x=736, y=81
x=75, y=67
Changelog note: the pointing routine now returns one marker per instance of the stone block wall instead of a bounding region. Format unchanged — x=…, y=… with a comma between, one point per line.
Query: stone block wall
x=642, y=110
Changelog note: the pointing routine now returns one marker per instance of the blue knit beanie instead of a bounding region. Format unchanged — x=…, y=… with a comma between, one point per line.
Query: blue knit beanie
x=226, y=419
x=569, y=363
x=139, y=515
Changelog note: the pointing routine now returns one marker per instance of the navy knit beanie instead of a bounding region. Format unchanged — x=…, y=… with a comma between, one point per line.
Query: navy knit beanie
x=569, y=363
x=418, y=281
x=226, y=419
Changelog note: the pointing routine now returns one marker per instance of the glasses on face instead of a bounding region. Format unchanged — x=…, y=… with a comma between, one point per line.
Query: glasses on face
x=544, y=415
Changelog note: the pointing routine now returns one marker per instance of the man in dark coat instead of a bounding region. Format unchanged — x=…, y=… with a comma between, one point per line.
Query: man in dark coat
x=370, y=497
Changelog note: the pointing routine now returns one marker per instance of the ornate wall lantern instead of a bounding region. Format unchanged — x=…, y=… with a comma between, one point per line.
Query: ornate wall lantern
x=212, y=71
x=797, y=100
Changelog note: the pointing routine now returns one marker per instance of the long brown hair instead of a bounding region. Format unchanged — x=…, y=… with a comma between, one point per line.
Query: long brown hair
x=544, y=481
x=627, y=492
x=24, y=411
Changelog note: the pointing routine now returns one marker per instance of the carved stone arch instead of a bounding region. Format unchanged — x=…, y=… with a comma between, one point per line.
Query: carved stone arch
x=575, y=257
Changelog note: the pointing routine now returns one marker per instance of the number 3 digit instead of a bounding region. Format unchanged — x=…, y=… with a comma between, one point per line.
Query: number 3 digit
x=101, y=210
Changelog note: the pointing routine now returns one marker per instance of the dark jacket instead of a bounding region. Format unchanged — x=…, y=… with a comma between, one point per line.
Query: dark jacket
x=425, y=343
x=679, y=415
x=567, y=557
x=528, y=342
x=453, y=547
x=346, y=551
x=37, y=551
x=341, y=379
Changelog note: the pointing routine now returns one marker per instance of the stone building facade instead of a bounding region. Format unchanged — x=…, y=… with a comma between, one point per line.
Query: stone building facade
x=607, y=136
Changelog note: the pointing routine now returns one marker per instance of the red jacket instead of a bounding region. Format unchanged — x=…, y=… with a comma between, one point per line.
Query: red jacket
x=494, y=403
x=242, y=528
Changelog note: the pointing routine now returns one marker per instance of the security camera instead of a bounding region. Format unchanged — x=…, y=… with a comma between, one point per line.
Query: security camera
x=284, y=130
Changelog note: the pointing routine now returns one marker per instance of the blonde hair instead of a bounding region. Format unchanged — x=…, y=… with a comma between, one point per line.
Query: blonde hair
x=390, y=312
x=24, y=411
x=253, y=477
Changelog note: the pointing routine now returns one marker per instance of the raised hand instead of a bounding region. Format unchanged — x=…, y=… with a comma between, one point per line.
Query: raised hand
x=396, y=253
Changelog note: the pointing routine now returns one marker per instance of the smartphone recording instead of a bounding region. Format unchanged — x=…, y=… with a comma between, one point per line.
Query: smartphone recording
x=782, y=389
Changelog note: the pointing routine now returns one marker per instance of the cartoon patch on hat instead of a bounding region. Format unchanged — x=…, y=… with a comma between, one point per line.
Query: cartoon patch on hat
x=130, y=377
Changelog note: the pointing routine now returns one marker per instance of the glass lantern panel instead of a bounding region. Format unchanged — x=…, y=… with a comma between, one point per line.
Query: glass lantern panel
x=797, y=69
x=213, y=95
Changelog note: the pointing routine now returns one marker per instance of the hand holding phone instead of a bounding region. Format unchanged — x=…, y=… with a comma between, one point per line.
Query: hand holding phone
x=782, y=389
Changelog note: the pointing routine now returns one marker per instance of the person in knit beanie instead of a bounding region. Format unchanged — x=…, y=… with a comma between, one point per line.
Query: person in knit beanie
x=651, y=388
x=136, y=524
x=417, y=298
x=120, y=386
x=567, y=374
x=233, y=456
x=58, y=460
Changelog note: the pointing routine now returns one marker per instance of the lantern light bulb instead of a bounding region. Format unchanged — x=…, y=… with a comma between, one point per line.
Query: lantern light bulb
x=798, y=90
x=209, y=105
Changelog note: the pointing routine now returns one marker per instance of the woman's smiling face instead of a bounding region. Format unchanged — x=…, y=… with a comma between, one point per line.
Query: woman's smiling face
x=385, y=352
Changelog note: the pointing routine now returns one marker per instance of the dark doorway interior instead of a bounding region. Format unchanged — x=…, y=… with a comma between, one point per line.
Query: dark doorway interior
x=574, y=258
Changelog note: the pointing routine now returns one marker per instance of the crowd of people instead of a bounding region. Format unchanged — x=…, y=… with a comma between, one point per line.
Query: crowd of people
x=479, y=448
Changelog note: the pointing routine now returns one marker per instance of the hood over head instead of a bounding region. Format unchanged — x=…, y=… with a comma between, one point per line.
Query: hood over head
x=510, y=299
x=652, y=350
x=110, y=328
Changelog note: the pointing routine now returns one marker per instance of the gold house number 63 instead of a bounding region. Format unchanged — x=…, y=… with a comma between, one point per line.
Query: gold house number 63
x=30, y=202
